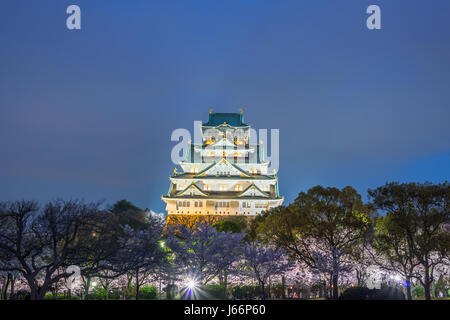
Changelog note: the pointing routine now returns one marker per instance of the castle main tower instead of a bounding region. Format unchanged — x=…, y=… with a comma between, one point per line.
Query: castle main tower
x=224, y=175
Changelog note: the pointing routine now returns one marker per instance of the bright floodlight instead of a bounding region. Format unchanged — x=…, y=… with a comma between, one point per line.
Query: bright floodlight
x=192, y=288
x=191, y=284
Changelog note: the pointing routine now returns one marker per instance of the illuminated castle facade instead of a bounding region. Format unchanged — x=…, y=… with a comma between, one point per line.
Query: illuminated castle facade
x=225, y=174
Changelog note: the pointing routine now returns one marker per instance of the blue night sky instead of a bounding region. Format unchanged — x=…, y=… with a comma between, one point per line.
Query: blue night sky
x=88, y=114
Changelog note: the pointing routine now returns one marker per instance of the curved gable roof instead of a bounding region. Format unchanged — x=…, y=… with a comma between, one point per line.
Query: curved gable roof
x=232, y=119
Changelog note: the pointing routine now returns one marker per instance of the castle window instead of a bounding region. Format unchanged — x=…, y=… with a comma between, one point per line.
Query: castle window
x=183, y=203
x=198, y=204
x=222, y=204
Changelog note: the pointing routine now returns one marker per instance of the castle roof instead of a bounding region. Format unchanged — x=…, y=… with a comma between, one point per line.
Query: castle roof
x=195, y=176
x=232, y=119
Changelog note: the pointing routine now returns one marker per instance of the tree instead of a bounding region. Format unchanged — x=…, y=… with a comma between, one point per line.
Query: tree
x=142, y=253
x=232, y=224
x=321, y=228
x=9, y=279
x=39, y=244
x=362, y=259
x=129, y=214
x=391, y=251
x=416, y=213
x=205, y=252
x=262, y=262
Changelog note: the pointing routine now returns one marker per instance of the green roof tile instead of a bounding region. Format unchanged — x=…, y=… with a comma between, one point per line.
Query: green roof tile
x=232, y=119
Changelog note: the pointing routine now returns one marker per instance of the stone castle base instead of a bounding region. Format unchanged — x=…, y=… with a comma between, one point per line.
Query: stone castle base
x=191, y=220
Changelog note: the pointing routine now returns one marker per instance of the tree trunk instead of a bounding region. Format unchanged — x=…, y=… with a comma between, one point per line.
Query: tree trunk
x=225, y=283
x=33, y=288
x=263, y=291
x=4, y=293
x=33, y=293
x=270, y=285
x=408, y=288
x=42, y=290
x=159, y=291
x=13, y=282
x=37, y=292
x=106, y=288
x=87, y=286
x=129, y=285
x=334, y=286
x=427, y=284
x=137, y=285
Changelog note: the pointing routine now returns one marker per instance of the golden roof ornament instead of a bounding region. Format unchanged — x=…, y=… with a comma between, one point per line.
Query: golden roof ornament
x=241, y=111
x=210, y=110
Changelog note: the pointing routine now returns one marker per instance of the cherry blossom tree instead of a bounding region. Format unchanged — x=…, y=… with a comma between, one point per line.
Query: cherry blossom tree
x=320, y=229
x=141, y=253
x=413, y=230
x=261, y=262
x=204, y=252
x=39, y=243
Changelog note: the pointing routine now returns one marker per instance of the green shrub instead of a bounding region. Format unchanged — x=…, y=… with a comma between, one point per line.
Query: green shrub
x=148, y=292
x=59, y=296
x=215, y=291
x=21, y=295
x=418, y=292
x=101, y=294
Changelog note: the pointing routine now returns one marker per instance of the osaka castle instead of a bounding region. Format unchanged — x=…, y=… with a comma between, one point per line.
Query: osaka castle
x=224, y=174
